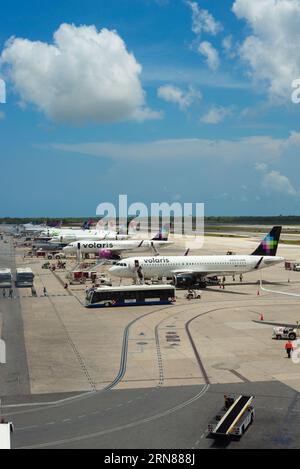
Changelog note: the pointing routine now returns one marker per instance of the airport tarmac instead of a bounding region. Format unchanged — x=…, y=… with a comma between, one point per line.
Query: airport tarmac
x=162, y=369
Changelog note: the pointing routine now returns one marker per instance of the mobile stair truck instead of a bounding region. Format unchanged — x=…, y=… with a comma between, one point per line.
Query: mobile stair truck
x=234, y=418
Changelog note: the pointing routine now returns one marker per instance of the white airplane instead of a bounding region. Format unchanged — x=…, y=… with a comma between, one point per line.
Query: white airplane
x=112, y=249
x=31, y=228
x=69, y=236
x=190, y=271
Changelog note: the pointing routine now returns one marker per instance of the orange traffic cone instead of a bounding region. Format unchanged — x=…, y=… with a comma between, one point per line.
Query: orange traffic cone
x=258, y=293
x=262, y=317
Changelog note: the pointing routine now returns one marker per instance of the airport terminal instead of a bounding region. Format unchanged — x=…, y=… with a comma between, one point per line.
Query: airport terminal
x=104, y=348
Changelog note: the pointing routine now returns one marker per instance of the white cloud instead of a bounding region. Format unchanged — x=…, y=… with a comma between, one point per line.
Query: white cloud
x=256, y=149
x=215, y=115
x=276, y=182
x=85, y=75
x=2, y=115
x=144, y=113
x=210, y=53
x=261, y=167
x=174, y=94
x=229, y=47
x=272, y=50
x=203, y=21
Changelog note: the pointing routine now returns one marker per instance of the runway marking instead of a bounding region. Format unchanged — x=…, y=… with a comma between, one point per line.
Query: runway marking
x=238, y=375
x=27, y=428
x=122, y=427
x=280, y=292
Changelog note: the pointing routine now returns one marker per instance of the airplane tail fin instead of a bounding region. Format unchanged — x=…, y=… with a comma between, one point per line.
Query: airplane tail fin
x=163, y=234
x=87, y=225
x=268, y=246
x=54, y=224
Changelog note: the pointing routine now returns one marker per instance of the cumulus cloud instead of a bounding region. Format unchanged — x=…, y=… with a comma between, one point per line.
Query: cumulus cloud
x=216, y=114
x=85, y=75
x=203, y=21
x=277, y=182
x=272, y=50
x=210, y=53
x=174, y=94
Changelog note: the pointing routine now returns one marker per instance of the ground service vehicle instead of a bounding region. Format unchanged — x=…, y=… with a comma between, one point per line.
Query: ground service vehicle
x=193, y=295
x=284, y=333
x=51, y=254
x=234, y=417
x=24, y=277
x=5, y=431
x=5, y=278
x=130, y=295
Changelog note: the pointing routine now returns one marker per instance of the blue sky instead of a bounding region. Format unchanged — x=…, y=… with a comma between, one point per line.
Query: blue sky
x=162, y=100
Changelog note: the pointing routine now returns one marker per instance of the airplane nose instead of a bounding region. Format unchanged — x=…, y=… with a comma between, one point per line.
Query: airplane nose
x=114, y=270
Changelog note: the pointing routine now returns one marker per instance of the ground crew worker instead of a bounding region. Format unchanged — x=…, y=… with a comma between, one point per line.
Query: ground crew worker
x=45, y=291
x=11, y=293
x=289, y=348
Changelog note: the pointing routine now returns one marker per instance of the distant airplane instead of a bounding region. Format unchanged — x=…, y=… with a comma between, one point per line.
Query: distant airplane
x=67, y=237
x=111, y=249
x=196, y=270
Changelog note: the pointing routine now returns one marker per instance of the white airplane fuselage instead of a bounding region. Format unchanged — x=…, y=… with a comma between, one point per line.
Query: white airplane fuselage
x=163, y=266
x=88, y=235
x=94, y=247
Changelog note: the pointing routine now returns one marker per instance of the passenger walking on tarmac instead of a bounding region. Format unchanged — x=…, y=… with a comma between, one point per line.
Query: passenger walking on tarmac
x=241, y=277
x=289, y=348
x=11, y=293
x=4, y=293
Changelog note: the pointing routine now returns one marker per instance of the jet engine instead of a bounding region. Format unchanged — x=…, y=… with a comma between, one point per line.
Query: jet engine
x=188, y=281
x=108, y=254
